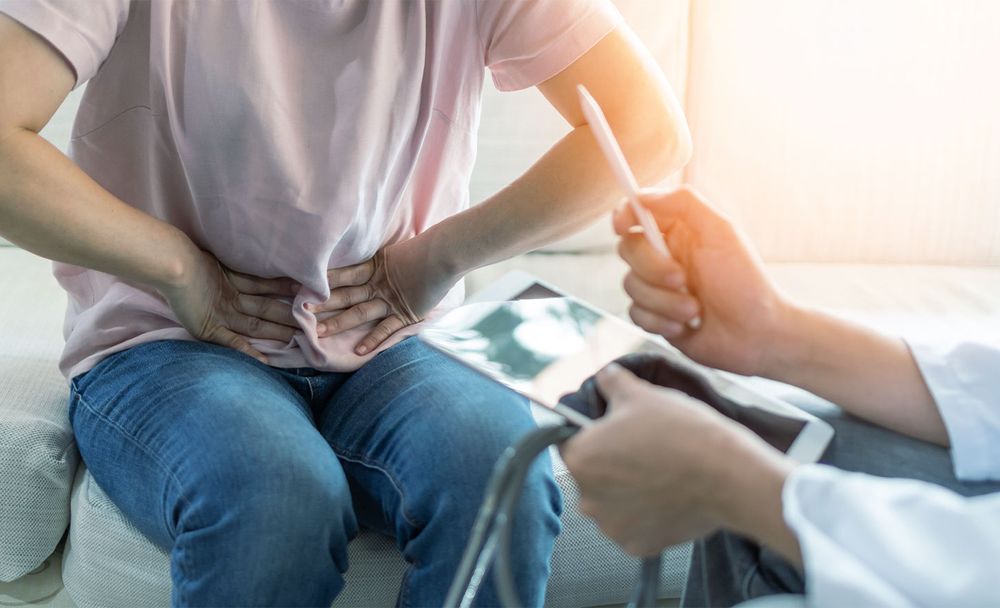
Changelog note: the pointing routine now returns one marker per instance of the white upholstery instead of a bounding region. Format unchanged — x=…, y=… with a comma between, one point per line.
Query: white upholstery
x=37, y=452
x=107, y=562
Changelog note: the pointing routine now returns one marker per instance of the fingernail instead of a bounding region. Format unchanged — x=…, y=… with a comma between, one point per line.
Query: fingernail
x=321, y=328
x=309, y=306
x=362, y=349
x=672, y=329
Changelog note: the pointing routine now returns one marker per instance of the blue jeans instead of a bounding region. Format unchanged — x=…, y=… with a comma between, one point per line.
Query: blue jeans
x=255, y=478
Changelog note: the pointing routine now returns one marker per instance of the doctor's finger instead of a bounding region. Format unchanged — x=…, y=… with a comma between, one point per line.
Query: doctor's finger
x=689, y=207
x=651, y=265
x=672, y=304
x=617, y=383
x=655, y=323
x=623, y=219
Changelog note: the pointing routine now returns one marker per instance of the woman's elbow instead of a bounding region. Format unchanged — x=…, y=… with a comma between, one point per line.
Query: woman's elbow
x=660, y=150
x=672, y=140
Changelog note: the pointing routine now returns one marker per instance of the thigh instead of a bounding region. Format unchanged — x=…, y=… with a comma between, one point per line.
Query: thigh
x=865, y=448
x=413, y=429
x=164, y=424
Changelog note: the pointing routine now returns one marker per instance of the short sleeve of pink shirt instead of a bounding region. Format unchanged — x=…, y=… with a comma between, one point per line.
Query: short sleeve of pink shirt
x=83, y=31
x=526, y=42
x=286, y=137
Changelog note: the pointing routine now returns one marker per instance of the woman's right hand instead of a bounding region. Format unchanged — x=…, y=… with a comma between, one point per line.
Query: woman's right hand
x=713, y=273
x=218, y=305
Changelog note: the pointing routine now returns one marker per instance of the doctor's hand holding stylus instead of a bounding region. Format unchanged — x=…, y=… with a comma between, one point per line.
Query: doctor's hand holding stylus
x=711, y=273
x=751, y=328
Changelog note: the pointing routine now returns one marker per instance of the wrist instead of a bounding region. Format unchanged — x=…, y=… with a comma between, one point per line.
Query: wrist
x=448, y=259
x=789, y=342
x=178, y=264
x=752, y=503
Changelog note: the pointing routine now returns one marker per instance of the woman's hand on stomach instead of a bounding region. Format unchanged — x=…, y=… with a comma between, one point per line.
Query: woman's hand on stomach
x=395, y=288
x=225, y=307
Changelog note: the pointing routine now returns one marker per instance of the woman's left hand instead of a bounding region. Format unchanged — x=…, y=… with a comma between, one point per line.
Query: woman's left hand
x=394, y=289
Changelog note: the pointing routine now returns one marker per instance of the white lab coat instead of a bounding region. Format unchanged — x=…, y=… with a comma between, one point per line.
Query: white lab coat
x=871, y=541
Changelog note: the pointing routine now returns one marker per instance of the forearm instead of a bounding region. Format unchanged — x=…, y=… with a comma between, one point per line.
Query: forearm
x=868, y=374
x=50, y=207
x=569, y=188
x=571, y=185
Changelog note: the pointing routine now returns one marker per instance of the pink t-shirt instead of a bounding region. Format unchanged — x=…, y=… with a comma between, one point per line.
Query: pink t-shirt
x=286, y=137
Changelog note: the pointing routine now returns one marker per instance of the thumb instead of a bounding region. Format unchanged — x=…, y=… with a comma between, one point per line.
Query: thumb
x=623, y=219
x=688, y=206
x=616, y=384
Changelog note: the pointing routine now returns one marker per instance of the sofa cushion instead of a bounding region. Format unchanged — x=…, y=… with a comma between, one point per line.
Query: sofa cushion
x=108, y=563
x=37, y=454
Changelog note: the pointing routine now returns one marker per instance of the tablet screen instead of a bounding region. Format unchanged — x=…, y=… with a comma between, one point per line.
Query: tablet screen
x=545, y=346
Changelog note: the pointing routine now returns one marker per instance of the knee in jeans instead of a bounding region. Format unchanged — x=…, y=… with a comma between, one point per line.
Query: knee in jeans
x=541, y=500
x=290, y=498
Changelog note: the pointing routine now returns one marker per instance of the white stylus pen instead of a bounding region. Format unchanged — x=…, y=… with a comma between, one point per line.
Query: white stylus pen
x=619, y=166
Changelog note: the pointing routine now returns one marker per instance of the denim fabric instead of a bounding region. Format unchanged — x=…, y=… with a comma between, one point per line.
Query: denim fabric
x=255, y=478
x=727, y=569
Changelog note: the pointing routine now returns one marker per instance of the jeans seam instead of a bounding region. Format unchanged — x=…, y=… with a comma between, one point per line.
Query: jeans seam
x=381, y=468
x=312, y=394
x=145, y=450
x=397, y=369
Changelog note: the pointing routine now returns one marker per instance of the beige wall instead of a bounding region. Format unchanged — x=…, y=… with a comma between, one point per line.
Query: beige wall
x=851, y=130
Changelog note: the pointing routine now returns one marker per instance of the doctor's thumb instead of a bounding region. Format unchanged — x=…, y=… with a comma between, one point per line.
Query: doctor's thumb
x=615, y=383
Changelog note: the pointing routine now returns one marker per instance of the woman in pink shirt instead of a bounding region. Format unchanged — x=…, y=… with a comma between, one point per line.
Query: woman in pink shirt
x=262, y=201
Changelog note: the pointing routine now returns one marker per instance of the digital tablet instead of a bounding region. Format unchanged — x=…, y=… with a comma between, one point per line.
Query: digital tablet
x=543, y=344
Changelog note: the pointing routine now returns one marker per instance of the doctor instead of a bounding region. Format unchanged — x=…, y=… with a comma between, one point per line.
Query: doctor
x=661, y=469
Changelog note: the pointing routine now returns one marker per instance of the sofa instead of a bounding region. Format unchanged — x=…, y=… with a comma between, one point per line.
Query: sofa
x=860, y=160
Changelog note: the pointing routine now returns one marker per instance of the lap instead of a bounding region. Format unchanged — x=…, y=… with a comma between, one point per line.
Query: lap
x=174, y=418
x=416, y=423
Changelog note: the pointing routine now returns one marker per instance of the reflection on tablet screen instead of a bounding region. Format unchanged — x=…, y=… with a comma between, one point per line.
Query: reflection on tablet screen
x=545, y=347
